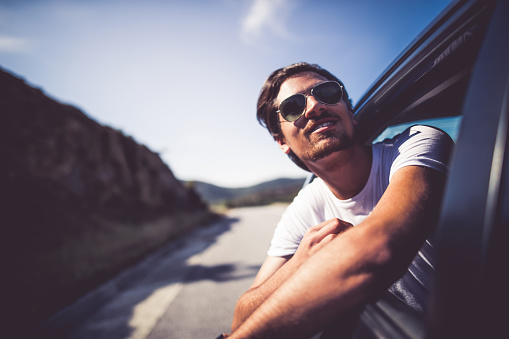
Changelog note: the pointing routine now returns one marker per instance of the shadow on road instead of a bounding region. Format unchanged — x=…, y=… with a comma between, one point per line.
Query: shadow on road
x=222, y=272
x=110, y=310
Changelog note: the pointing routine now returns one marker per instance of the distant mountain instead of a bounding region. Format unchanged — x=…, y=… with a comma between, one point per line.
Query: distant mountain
x=279, y=190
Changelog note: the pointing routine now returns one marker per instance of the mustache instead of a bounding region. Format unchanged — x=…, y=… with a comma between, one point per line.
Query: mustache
x=311, y=121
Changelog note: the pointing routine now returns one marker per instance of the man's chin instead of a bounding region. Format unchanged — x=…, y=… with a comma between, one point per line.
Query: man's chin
x=322, y=155
x=321, y=152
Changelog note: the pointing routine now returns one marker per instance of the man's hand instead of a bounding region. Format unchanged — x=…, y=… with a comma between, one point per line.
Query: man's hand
x=318, y=236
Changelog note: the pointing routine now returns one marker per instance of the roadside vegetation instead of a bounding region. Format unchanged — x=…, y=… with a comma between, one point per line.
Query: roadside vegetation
x=54, y=269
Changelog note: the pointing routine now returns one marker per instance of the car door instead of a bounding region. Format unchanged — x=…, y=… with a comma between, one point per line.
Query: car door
x=454, y=76
x=470, y=297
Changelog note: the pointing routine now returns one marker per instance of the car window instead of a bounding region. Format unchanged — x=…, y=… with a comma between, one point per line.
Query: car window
x=450, y=125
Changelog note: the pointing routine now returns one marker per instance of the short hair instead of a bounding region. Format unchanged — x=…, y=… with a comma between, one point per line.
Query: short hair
x=266, y=107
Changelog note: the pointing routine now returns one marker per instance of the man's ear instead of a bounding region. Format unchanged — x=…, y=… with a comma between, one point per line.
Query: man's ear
x=282, y=144
x=354, y=120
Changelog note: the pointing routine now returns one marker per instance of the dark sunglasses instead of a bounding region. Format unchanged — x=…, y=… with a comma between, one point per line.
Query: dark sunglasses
x=293, y=107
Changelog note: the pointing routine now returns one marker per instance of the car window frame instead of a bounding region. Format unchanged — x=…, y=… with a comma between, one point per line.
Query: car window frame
x=386, y=318
x=458, y=307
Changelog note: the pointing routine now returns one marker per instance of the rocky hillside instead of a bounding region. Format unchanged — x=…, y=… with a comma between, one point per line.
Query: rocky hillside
x=78, y=203
x=53, y=147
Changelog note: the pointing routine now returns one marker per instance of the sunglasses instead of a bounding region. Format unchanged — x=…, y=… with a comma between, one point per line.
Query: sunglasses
x=293, y=107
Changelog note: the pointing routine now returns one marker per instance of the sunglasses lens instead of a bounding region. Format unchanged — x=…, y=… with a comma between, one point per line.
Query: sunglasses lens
x=291, y=108
x=328, y=93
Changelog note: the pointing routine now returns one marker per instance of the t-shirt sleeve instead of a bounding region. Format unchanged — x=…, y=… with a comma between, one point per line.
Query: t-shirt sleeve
x=422, y=146
x=302, y=213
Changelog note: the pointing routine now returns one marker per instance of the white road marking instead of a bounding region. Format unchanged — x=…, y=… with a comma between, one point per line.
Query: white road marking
x=147, y=313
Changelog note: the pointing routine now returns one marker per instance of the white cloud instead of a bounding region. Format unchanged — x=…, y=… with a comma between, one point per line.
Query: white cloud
x=267, y=17
x=9, y=44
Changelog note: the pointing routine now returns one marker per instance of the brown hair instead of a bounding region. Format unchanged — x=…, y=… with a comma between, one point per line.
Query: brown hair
x=266, y=111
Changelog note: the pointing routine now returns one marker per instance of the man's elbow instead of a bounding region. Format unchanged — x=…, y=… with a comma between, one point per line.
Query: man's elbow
x=243, y=309
x=392, y=262
x=384, y=264
x=238, y=319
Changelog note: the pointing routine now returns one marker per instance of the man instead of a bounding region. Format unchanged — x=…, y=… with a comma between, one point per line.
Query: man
x=354, y=231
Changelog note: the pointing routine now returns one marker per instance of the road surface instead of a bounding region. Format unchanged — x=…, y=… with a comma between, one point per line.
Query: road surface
x=187, y=290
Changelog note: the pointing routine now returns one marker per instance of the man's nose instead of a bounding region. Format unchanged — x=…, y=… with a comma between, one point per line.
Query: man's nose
x=314, y=108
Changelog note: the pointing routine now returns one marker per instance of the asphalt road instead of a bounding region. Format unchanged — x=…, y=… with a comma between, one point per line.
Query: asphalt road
x=187, y=290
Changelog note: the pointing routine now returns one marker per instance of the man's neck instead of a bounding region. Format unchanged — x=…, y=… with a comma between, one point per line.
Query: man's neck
x=345, y=172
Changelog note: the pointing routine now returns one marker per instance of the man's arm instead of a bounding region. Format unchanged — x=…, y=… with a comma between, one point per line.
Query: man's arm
x=269, y=277
x=275, y=270
x=355, y=266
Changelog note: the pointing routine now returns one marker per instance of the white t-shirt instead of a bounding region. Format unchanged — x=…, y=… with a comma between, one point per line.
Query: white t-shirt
x=418, y=145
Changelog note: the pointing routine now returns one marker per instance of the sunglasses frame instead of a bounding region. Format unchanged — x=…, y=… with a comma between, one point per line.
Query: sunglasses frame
x=306, y=99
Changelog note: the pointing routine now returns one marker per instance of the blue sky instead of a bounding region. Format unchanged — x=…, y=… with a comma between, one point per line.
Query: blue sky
x=182, y=77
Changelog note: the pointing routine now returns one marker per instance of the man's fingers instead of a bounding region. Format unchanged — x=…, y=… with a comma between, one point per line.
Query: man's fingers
x=321, y=234
x=333, y=226
x=328, y=238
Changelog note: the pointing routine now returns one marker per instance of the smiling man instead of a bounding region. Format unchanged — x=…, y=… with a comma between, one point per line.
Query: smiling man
x=352, y=233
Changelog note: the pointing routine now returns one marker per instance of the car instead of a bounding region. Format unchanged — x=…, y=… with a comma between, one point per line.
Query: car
x=454, y=76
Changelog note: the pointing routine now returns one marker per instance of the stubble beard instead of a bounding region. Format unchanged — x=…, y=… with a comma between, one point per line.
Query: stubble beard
x=328, y=144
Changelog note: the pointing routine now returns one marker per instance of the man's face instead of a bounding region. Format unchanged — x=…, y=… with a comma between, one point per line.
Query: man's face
x=322, y=130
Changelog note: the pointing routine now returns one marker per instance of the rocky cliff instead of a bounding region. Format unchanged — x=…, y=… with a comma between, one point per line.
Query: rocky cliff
x=56, y=148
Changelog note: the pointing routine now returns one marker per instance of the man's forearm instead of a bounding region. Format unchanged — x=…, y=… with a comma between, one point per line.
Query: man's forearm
x=254, y=297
